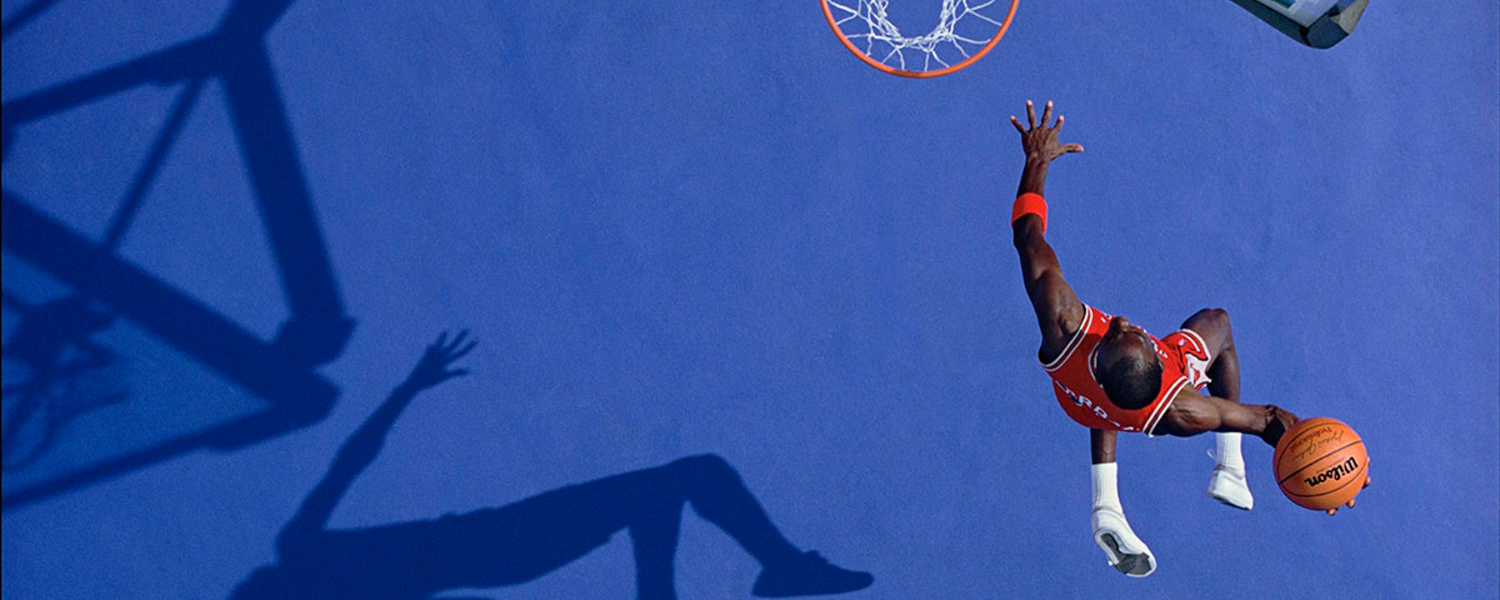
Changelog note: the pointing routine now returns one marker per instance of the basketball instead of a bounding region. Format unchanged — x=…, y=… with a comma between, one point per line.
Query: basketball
x=1320, y=464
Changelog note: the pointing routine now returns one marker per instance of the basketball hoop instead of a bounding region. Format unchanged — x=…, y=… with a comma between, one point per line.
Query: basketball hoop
x=964, y=34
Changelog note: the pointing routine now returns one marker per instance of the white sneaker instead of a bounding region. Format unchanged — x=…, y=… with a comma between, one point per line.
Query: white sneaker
x=1126, y=552
x=1229, y=486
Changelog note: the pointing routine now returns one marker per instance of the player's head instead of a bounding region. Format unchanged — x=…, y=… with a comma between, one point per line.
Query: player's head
x=1127, y=366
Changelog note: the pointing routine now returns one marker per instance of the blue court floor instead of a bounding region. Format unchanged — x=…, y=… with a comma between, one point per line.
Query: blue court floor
x=232, y=227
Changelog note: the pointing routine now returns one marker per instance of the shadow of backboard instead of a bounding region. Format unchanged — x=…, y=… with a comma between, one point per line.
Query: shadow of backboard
x=108, y=368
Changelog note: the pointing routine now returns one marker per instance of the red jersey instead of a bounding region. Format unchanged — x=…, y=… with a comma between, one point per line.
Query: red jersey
x=1184, y=358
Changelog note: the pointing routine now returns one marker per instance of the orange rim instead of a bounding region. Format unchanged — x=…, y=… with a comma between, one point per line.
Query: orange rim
x=828, y=15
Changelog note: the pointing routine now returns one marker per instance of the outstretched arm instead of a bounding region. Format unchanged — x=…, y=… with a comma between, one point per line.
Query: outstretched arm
x=1058, y=311
x=362, y=447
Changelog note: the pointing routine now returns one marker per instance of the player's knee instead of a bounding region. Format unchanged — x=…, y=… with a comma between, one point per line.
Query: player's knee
x=1214, y=324
x=1216, y=316
x=1223, y=317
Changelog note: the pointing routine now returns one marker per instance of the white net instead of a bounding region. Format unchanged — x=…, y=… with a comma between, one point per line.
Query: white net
x=963, y=28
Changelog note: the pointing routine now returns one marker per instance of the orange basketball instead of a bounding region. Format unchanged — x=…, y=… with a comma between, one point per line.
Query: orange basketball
x=1320, y=464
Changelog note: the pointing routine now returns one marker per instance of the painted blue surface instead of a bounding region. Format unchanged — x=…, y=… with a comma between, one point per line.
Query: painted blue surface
x=687, y=228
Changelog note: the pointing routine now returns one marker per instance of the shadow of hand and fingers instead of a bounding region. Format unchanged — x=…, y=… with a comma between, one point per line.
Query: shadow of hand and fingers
x=525, y=540
x=272, y=385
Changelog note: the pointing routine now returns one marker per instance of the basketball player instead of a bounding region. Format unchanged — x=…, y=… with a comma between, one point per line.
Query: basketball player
x=1111, y=375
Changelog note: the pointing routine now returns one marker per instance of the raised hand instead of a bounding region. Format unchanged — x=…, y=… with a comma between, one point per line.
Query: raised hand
x=433, y=368
x=1040, y=142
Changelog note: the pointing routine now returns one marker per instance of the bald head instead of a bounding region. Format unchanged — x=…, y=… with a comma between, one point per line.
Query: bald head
x=1127, y=366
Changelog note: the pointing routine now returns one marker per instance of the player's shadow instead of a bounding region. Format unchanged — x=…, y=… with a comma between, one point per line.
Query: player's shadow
x=74, y=297
x=522, y=541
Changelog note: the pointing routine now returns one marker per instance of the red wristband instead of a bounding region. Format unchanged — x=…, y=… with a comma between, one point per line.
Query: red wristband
x=1029, y=204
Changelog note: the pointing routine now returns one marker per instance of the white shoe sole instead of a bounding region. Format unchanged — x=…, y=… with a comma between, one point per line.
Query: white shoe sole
x=1133, y=565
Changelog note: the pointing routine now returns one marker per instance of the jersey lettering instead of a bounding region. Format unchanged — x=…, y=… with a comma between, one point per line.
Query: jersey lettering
x=1083, y=401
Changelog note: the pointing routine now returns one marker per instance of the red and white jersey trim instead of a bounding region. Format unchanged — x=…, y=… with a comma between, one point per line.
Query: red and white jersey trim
x=1196, y=368
x=1083, y=329
x=1161, y=409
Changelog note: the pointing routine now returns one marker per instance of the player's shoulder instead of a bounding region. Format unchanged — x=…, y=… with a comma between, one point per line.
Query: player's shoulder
x=1073, y=317
x=1072, y=325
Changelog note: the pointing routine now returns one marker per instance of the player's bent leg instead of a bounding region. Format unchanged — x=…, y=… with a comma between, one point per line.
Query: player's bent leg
x=1227, y=483
x=1125, y=551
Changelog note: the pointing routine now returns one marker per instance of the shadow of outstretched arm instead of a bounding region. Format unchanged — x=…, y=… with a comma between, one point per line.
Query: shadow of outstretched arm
x=364, y=445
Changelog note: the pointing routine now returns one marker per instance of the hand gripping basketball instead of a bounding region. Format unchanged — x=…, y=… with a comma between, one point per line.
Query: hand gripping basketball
x=1321, y=464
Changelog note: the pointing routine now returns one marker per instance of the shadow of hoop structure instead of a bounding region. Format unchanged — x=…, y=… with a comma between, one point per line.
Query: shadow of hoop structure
x=108, y=348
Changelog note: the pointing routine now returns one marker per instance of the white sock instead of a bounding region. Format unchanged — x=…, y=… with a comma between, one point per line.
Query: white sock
x=1229, y=451
x=1106, y=495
